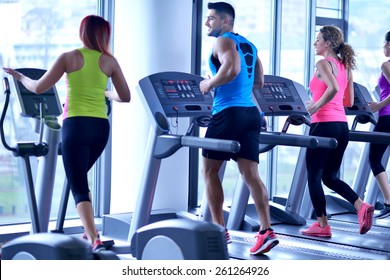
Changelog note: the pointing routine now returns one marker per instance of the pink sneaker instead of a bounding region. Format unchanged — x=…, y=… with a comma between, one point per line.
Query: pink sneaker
x=365, y=217
x=97, y=246
x=228, y=239
x=265, y=242
x=316, y=230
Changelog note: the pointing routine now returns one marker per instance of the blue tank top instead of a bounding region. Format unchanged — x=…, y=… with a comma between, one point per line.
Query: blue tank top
x=238, y=92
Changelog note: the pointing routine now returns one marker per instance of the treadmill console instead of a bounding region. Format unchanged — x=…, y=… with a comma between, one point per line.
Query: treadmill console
x=29, y=101
x=178, y=93
x=361, y=99
x=281, y=97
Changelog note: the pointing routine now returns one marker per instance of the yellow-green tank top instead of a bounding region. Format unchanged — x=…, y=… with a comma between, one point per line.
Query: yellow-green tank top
x=86, y=88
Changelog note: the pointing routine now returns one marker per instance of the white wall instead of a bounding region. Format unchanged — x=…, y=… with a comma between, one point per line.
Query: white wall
x=150, y=36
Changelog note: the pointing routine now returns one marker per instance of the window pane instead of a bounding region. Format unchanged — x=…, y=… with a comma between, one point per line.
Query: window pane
x=292, y=65
x=40, y=31
x=329, y=8
x=366, y=37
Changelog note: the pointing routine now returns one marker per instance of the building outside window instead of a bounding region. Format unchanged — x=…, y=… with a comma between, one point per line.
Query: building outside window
x=39, y=33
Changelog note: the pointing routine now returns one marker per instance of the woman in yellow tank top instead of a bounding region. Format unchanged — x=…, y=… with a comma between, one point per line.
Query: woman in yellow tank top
x=85, y=128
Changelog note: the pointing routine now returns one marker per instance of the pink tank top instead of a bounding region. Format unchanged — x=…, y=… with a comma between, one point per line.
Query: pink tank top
x=333, y=111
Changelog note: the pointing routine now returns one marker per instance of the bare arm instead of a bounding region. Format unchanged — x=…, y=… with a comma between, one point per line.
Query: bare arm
x=259, y=75
x=49, y=79
x=225, y=51
x=325, y=72
x=122, y=89
x=376, y=106
x=386, y=70
x=349, y=91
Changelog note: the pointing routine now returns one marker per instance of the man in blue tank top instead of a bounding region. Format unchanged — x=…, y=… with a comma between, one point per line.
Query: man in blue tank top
x=237, y=71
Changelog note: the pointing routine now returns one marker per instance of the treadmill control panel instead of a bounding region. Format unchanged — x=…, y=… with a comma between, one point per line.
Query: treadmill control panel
x=361, y=99
x=280, y=97
x=175, y=90
x=178, y=93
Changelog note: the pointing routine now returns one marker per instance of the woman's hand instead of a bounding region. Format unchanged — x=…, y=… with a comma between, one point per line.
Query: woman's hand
x=374, y=106
x=17, y=75
x=311, y=107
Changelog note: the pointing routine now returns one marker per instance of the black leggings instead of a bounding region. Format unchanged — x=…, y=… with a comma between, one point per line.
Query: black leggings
x=83, y=141
x=377, y=150
x=323, y=165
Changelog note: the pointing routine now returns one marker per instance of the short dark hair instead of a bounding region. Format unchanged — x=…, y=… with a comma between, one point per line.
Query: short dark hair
x=222, y=7
x=387, y=37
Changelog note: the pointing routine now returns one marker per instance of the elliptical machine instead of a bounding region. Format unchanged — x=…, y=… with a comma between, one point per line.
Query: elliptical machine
x=41, y=245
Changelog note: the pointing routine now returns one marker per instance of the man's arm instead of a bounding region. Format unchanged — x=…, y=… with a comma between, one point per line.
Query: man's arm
x=259, y=75
x=226, y=53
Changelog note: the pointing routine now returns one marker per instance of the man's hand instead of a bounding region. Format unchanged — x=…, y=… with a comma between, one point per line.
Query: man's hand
x=205, y=86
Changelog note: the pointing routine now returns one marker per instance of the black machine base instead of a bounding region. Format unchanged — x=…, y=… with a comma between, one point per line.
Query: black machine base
x=180, y=239
x=52, y=246
x=47, y=246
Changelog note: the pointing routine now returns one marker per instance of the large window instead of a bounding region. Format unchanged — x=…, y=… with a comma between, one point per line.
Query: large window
x=366, y=34
x=292, y=66
x=33, y=34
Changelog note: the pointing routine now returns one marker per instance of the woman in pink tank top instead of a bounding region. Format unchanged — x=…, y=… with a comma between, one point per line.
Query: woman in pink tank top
x=383, y=125
x=332, y=89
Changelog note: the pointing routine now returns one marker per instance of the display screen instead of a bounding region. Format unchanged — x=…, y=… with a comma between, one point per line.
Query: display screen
x=31, y=103
x=176, y=93
x=277, y=92
x=178, y=90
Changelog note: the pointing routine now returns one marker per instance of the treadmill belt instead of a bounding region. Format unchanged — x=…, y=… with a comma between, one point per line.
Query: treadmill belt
x=296, y=248
x=344, y=233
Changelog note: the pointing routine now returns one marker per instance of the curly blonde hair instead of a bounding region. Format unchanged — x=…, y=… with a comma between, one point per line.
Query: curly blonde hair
x=343, y=50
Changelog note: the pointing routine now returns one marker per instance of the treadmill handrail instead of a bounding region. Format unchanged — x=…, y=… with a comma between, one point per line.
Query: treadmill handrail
x=211, y=144
x=288, y=139
x=168, y=144
x=370, y=136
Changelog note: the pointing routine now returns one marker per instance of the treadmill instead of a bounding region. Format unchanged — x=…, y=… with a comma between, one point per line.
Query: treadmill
x=341, y=210
x=164, y=95
x=279, y=97
x=364, y=182
x=343, y=218
x=273, y=98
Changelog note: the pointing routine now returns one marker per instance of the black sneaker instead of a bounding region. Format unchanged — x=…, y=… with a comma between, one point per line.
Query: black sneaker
x=385, y=212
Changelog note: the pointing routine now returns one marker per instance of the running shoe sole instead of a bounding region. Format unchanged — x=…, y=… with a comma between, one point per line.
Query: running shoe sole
x=266, y=247
x=367, y=220
x=316, y=234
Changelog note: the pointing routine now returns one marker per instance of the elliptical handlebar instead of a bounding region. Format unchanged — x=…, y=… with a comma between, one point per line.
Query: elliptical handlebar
x=7, y=92
x=22, y=149
x=6, y=86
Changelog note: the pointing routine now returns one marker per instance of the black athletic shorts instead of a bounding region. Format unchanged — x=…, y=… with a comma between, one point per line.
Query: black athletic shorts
x=241, y=124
